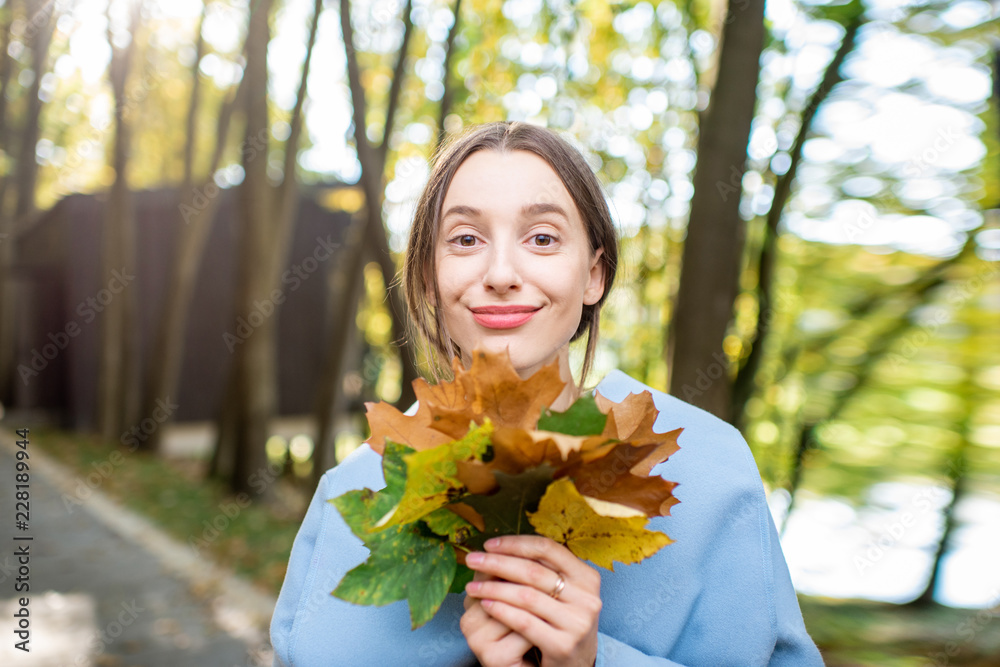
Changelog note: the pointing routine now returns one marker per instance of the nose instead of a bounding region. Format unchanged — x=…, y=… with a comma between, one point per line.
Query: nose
x=502, y=274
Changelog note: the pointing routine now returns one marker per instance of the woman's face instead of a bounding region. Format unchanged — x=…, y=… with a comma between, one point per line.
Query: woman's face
x=514, y=264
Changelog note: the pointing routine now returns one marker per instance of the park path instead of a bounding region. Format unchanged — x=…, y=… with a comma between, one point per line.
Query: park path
x=109, y=589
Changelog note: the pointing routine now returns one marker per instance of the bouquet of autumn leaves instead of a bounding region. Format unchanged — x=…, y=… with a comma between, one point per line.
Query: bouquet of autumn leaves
x=483, y=456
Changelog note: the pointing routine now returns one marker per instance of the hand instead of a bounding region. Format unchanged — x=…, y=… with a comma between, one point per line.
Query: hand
x=524, y=572
x=494, y=644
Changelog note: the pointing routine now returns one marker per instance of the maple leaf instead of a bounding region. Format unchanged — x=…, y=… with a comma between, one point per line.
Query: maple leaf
x=483, y=455
x=388, y=423
x=505, y=512
x=403, y=562
x=610, y=478
x=498, y=392
x=432, y=476
x=565, y=516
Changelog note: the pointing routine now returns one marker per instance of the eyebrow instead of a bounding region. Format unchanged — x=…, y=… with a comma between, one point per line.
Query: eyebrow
x=526, y=210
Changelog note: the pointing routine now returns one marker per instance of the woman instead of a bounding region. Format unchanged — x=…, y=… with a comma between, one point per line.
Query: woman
x=512, y=247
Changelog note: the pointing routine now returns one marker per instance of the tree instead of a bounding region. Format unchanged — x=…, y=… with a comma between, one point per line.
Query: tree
x=197, y=204
x=715, y=233
x=118, y=386
x=744, y=383
x=39, y=21
x=373, y=243
x=268, y=217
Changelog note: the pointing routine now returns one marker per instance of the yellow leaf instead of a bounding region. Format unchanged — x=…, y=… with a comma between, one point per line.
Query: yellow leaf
x=565, y=516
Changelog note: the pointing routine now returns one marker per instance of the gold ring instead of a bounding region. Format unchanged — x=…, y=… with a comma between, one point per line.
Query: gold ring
x=560, y=585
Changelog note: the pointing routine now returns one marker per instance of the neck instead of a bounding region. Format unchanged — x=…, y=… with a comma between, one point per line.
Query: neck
x=570, y=392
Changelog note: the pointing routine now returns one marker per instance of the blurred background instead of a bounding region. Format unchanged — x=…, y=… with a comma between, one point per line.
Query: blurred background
x=203, y=207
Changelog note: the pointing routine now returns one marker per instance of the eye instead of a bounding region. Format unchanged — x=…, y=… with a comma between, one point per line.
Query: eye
x=543, y=240
x=466, y=240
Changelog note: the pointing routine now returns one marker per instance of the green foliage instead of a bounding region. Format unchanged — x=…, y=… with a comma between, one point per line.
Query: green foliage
x=582, y=418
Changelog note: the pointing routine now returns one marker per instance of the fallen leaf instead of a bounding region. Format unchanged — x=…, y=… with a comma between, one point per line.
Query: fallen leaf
x=403, y=564
x=432, y=476
x=505, y=512
x=610, y=478
x=499, y=393
x=564, y=516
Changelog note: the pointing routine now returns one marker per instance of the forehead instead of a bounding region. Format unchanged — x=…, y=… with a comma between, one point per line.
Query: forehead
x=492, y=180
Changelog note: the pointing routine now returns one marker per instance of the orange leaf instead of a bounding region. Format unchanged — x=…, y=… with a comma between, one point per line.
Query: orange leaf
x=386, y=422
x=609, y=478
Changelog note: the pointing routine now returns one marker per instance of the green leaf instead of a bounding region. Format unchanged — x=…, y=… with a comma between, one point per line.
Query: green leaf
x=449, y=525
x=582, y=418
x=505, y=512
x=432, y=476
x=403, y=564
x=363, y=509
x=463, y=575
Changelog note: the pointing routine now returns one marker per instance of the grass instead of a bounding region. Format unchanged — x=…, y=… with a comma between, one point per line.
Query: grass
x=863, y=633
x=251, y=537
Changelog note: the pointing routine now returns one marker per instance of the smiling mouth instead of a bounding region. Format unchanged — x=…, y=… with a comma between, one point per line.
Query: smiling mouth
x=503, y=317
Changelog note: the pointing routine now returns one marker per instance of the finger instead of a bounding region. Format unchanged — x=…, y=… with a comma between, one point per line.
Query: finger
x=477, y=576
x=550, y=553
x=529, y=598
x=492, y=641
x=524, y=571
x=522, y=623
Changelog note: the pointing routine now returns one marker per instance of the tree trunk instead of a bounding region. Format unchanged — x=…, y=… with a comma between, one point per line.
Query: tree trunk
x=118, y=379
x=743, y=385
x=699, y=370
x=197, y=204
x=349, y=287
x=251, y=397
x=448, y=95
x=40, y=22
x=373, y=159
x=957, y=478
x=269, y=221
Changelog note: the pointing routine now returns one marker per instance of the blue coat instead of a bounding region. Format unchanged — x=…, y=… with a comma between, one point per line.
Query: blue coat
x=720, y=595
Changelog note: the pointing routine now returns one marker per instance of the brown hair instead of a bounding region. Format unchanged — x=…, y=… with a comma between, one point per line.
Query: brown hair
x=419, y=272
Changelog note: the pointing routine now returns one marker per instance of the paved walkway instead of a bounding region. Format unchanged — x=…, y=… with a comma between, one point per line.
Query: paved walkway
x=108, y=589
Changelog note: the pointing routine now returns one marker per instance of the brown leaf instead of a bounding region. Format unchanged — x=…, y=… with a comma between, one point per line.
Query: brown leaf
x=610, y=478
x=386, y=421
x=499, y=393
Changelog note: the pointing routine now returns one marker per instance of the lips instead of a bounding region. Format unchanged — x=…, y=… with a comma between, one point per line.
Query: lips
x=503, y=317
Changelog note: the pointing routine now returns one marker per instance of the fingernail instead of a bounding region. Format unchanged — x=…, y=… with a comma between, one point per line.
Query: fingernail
x=493, y=542
x=475, y=558
x=487, y=603
x=473, y=586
